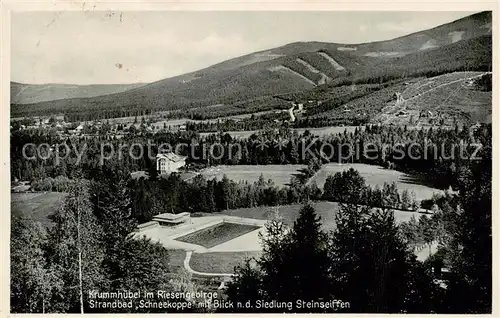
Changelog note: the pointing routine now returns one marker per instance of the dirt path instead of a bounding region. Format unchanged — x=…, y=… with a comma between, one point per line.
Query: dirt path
x=444, y=84
x=402, y=105
x=192, y=271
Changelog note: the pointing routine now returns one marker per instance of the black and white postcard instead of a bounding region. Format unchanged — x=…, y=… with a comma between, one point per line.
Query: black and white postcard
x=291, y=160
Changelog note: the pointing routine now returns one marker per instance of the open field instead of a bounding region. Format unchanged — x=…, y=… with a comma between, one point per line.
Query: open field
x=38, y=205
x=280, y=174
x=375, y=175
x=176, y=259
x=326, y=210
x=217, y=234
x=219, y=262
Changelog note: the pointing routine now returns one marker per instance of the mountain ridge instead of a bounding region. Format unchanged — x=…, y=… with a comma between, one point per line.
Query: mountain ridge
x=270, y=72
x=26, y=93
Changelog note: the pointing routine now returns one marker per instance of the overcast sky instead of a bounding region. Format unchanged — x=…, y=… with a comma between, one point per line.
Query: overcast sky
x=129, y=47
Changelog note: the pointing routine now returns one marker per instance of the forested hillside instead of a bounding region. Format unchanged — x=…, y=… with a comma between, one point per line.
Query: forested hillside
x=293, y=68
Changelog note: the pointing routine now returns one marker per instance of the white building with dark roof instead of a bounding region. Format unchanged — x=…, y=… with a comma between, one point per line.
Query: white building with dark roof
x=169, y=162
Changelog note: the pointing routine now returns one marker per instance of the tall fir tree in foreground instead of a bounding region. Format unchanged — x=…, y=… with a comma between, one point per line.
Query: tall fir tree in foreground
x=372, y=265
x=112, y=208
x=468, y=245
x=74, y=250
x=365, y=261
x=373, y=268
x=294, y=264
x=130, y=262
x=90, y=246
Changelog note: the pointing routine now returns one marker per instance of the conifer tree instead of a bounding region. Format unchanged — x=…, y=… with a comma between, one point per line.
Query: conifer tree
x=372, y=264
x=31, y=281
x=293, y=266
x=75, y=250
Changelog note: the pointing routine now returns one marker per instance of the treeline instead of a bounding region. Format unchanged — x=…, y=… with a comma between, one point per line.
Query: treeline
x=57, y=184
x=153, y=195
x=171, y=194
x=270, y=121
x=328, y=121
x=254, y=105
x=349, y=187
x=367, y=263
x=254, y=122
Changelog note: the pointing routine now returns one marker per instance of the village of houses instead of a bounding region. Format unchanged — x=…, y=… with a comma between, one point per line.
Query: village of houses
x=116, y=127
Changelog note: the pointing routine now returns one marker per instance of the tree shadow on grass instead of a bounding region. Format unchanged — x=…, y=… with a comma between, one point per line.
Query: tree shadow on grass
x=418, y=180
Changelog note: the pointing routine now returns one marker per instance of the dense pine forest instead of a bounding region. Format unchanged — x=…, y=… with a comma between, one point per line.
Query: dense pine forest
x=391, y=147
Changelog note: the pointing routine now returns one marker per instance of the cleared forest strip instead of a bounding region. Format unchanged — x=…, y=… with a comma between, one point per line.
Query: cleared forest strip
x=336, y=65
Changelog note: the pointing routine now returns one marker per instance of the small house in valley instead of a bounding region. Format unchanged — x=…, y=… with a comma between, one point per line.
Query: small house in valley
x=79, y=128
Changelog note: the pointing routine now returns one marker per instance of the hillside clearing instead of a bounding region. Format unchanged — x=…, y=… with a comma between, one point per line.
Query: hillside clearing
x=324, y=78
x=442, y=100
x=287, y=70
x=334, y=63
x=426, y=85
